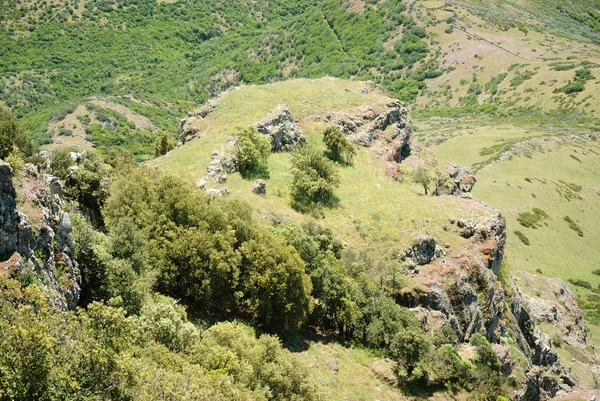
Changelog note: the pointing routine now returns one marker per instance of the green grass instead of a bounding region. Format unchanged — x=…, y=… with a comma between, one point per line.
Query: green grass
x=391, y=214
x=546, y=179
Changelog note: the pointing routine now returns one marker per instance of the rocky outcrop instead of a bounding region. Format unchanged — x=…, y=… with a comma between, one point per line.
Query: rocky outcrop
x=460, y=181
x=46, y=251
x=462, y=290
x=423, y=251
x=280, y=127
x=189, y=127
x=389, y=130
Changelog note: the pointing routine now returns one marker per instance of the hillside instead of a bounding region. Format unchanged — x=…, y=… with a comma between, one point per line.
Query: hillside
x=310, y=200
x=378, y=216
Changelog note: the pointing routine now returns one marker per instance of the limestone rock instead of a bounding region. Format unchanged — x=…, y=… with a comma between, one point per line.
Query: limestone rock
x=40, y=252
x=281, y=129
x=189, y=126
x=423, y=251
x=372, y=129
x=218, y=192
x=259, y=187
x=460, y=181
x=229, y=163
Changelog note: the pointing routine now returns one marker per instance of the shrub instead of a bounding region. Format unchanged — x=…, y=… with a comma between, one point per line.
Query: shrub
x=12, y=137
x=574, y=226
x=251, y=149
x=581, y=283
x=313, y=177
x=162, y=145
x=522, y=237
x=337, y=145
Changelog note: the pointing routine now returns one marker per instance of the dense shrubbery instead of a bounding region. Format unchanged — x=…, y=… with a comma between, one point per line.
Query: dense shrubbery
x=47, y=355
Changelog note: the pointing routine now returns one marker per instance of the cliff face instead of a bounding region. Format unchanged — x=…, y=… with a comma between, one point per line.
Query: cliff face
x=466, y=290
x=42, y=253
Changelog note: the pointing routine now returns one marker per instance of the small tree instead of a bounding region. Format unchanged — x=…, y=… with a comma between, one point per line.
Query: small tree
x=162, y=145
x=423, y=176
x=337, y=145
x=251, y=149
x=314, y=177
x=12, y=138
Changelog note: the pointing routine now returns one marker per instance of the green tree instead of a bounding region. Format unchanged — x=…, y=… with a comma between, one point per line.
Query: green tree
x=12, y=138
x=409, y=347
x=313, y=177
x=423, y=176
x=251, y=149
x=163, y=144
x=337, y=145
x=275, y=285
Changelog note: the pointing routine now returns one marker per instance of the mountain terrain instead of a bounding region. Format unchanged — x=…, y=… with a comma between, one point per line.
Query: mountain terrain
x=345, y=200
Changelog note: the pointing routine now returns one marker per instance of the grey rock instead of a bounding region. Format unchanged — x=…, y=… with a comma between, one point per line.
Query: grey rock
x=201, y=183
x=218, y=192
x=43, y=251
x=229, y=163
x=188, y=126
x=55, y=186
x=423, y=251
x=280, y=127
x=460, y=180
x=31, y=170
x=368, y=129
x=259, y=187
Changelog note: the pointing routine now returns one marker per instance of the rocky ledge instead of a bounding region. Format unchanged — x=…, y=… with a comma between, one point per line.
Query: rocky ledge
x=43, y=252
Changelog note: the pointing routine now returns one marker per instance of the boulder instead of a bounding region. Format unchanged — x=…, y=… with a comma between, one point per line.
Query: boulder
x=259, y=187
x=460, y=180
x=281, y=129
x=54, y=185
x=423, y=251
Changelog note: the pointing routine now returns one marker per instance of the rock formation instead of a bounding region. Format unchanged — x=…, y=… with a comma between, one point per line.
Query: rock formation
x=45, y=251
x=189, y=126
x=281, y=129
x=460, y=180
x=259, y=187
x=390, y=129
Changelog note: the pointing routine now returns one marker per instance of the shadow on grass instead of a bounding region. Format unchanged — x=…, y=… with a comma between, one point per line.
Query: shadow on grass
x=300, y=341
x=258, y=171
x=338, y=159
x=314, y=207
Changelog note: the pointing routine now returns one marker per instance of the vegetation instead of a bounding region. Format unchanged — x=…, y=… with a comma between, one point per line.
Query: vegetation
x=251, y=150
x=338, y=146
x=314, y=177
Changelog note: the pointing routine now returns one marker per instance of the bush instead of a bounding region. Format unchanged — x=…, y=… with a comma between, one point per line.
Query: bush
x=313, y=177
x=581, y=283
x=337, y=145
x=251, y=149
x=522, y=237
x=162, y=145
x=12, y=137
x=574, y=226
